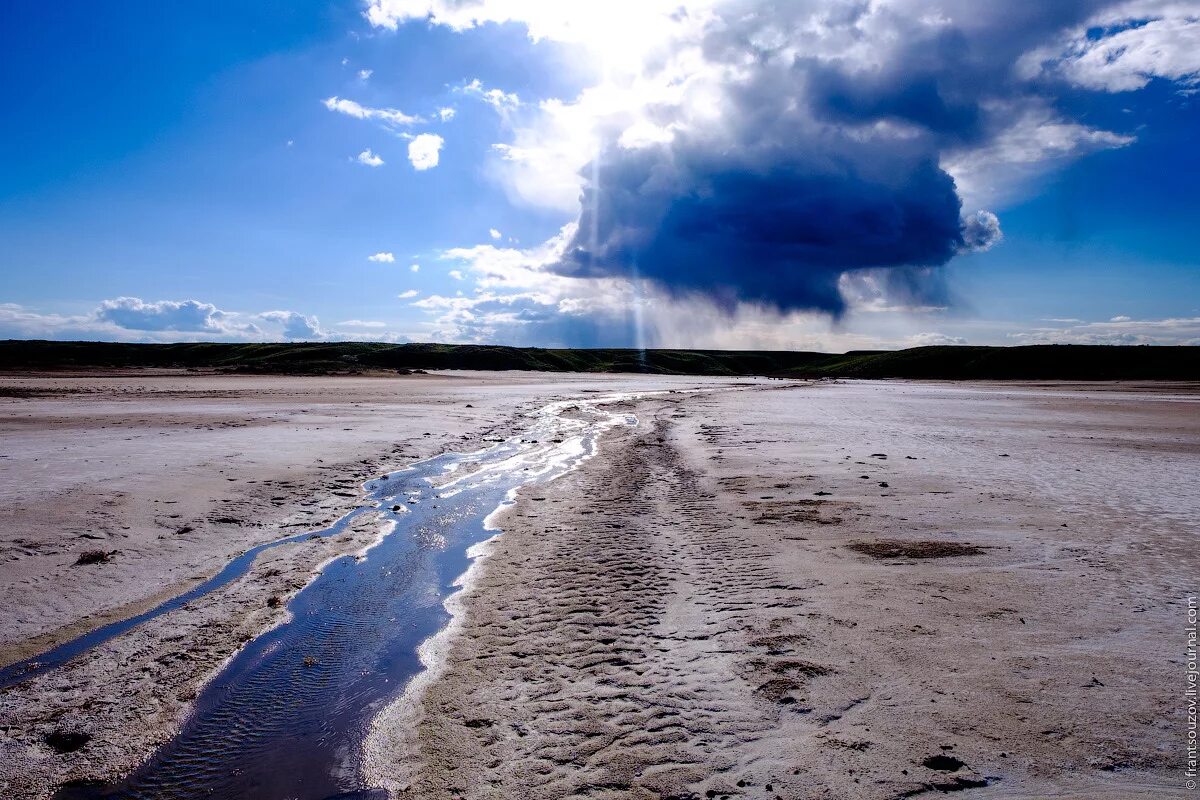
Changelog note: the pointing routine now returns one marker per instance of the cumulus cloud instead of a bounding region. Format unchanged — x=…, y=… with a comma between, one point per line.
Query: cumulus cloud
x=296, y=326
x=389, y=116
x=778, y=231
x=767, y=160
x=446, y=113
x=134, y=319
x=414, y=267
x=369, y=158
x=383, y=257
x=424, y=149
x=407, y=294
x=495, y=234
x=132, y=313
x=755, y=153
x=981, y=231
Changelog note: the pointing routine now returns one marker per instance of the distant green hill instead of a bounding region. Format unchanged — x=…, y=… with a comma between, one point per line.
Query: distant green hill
x=1034, y=362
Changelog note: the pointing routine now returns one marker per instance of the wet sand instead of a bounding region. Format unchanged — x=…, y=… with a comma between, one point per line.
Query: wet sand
x=171, y=476
x=728, y=602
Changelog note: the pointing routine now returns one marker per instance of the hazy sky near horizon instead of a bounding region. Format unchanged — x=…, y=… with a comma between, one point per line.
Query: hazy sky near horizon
x=720, y=173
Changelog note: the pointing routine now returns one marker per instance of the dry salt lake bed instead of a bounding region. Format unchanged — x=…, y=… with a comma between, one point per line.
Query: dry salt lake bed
x=530, y=585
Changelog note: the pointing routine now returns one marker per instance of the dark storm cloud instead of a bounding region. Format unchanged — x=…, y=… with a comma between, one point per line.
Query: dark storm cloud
x=919, y=100
x=780, y=235
x=819, y=163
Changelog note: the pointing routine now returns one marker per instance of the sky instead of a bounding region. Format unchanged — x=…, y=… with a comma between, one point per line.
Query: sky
x=766, y=174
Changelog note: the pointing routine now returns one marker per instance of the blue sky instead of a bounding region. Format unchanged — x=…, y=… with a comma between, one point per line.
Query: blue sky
x=733, y=175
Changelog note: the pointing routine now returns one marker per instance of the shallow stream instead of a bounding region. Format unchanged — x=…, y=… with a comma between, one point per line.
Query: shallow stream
x=286, y=718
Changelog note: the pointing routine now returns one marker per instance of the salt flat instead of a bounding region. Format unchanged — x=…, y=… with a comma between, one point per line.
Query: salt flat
x=685, y=617
x=170, y=476
x=731, y=598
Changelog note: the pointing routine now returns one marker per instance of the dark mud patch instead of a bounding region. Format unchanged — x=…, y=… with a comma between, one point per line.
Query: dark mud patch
x=898, y=548
x=61, y=741
x=943, y=763
x=946, y=763
x=946, y=787
x=36, y=391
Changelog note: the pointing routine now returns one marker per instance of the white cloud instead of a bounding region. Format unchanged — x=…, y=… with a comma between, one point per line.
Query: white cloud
x=382, y=257
x=19, y=322
x=623, y=30
x=1124, y=47
x=408, y=293
x=361, y=323
x=512, y=268
x=495, y=234
x=296, y=326
x=414, y=267
x=389, y=116
x=423, y=150
x=136, y=320
x=981, y=232
x=540, y=164
x=1033, y=141
x=931, y=339
x=369, y=158
x=456, y=274
x=132, y=313
x=497, y=98
x=643, y=133
x=446, y=113
x=1118, y=330
x=365, y=74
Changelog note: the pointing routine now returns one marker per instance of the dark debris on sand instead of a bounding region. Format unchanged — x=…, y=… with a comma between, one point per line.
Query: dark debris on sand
x=898, y=548
x=95, y=557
